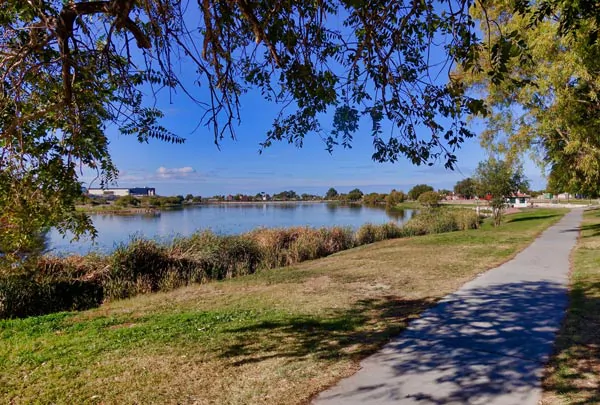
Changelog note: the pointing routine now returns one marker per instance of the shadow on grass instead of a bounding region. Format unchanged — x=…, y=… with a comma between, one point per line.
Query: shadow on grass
x=532, y=218
x=354, y=333
x=594, y=230
x=480, y=343
x=577, y=354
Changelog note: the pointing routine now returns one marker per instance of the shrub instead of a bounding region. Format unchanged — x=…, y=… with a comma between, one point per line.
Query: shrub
x=215, y=257
x=336, y=239
x=466, y=219
x=273, y=244
x=127, y=201
x=369, y=233
x=425, y=222
x=232, y=256
x=417, y=190
x=374, y=198
x=429, y=199
x=287, y=246
x=23, y=295
x=137, y=267
x=389, y=230
x=308, y=244
x=365, y=234
x=90, y=267
x=441, y=220
x=394, y=198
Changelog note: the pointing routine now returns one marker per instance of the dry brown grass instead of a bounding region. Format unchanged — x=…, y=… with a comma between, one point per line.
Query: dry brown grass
x=573, y=374
x=276, y=337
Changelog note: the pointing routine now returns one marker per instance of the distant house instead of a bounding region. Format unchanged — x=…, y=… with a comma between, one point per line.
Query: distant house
x=565, y=196
x=519, y=200
x=120, y=192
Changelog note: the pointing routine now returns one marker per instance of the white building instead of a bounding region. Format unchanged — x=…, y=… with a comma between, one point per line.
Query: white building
x=519, y=200
x=120, y=192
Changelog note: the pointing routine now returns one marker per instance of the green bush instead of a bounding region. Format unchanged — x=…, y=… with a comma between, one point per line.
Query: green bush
x=370, y=233
x=430, y=199
x=127, y=201
x=216, y=257
x=394, y=198
x=137, y=267
x=466, y=219
x=390, y=230
x=439, y=220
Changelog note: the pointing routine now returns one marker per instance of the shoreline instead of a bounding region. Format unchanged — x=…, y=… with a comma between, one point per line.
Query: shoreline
x=111, y=209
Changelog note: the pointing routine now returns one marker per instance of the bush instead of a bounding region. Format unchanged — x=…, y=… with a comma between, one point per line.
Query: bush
x=127, y=201
x=390, y=230
x=366, y=234
x=374, y=198
x=430, y=199
x=394, y=198
x=23, y=295
x=273, y=244
x=466, y=219
x=369, y=233
x=441, y=220
x=216, y=257
x=417, y=190
x=136, y=268
x=336, y=239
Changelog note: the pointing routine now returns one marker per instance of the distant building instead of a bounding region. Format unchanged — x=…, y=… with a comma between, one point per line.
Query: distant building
x=519, y=200
x=142, y=191
x=120, y=192
x=565, y=196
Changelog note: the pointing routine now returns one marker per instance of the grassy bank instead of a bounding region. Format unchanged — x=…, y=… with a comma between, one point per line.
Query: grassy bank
x=52, y=284
x=407, y=205
x=573, y=374
x=115, y=209
x=278, y=336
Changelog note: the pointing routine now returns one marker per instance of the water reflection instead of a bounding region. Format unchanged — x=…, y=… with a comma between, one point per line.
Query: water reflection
x=228, y=218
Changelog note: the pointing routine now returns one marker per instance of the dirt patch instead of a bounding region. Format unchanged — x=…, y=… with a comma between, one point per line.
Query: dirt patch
x=317, y=283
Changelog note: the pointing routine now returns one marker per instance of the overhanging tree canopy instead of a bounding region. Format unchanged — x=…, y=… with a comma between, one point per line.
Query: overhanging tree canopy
x=69, y=68
x=553, y=113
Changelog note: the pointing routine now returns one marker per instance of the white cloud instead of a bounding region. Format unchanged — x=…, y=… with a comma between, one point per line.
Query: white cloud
x=174, y=172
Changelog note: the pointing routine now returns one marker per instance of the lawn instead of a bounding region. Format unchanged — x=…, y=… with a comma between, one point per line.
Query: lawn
x=573, y=375
x=278, y=337
x=407, y=205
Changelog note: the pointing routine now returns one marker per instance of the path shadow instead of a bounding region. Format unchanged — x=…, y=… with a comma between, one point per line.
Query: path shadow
x=593, y=228
x=478, y=345
x=532, y=218
x=577, y=354
x=354, y=333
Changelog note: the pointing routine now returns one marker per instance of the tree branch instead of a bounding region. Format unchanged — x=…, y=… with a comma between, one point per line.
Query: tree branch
x=64, y=30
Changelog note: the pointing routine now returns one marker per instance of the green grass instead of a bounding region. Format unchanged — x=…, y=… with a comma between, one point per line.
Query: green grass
x=407, y=205
x=573, y=374
x=278, y=336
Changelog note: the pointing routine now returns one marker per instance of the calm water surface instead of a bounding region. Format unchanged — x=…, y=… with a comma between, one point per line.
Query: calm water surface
x=221, y=218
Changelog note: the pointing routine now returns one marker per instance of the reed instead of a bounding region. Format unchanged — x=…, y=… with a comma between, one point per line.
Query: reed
x=144, y=266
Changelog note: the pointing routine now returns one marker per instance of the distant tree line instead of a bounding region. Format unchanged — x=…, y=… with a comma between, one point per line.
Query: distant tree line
x=467, y=188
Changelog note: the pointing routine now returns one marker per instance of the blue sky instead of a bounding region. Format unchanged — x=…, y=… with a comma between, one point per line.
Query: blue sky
x=200, y=168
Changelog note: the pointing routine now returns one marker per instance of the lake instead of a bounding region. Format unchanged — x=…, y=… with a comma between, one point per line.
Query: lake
x=228, y=219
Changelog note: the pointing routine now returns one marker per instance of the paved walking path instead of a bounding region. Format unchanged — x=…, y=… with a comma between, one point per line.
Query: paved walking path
x=485, y=344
